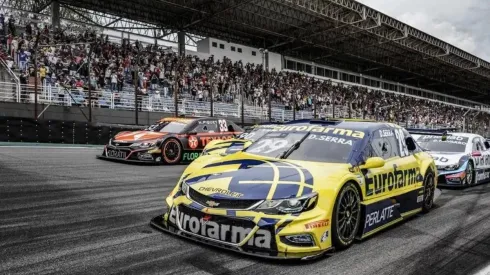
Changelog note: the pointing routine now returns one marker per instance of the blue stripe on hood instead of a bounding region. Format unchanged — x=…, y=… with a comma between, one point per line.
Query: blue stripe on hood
x=257, y=171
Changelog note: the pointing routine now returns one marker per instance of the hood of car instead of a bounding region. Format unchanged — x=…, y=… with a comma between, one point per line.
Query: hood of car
x=445, y=158
x=243, y=176
x=138, y=136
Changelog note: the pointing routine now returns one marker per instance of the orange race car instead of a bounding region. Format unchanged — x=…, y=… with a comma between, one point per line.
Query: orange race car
x=169, y=141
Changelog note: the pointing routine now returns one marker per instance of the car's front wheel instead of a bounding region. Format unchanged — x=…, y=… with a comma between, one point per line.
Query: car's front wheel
x=346, y=216
x=429, y=191
x=470, y=171
x=171, y=151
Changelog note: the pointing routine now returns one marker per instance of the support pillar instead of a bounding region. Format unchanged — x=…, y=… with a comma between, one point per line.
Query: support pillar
x=181, y=43
x=55, y=14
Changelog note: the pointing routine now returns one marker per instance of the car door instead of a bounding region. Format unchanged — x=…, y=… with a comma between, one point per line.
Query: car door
x=401, y=172
x=204, y=131
x=481, y=155
x=380, y=181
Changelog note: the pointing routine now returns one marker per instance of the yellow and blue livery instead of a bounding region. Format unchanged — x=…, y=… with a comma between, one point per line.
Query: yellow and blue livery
x=303, y=190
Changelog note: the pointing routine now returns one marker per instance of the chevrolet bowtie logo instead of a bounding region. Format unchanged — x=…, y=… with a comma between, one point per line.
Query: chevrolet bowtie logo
x=212, y=203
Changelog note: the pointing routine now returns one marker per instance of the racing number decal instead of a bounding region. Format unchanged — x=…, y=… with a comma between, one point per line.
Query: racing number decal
x=400, y=137
x=223, y=127
x=246, y=135
x=270, y=145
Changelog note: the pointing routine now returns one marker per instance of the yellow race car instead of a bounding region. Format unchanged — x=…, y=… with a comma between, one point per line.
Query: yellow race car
x=303, y=190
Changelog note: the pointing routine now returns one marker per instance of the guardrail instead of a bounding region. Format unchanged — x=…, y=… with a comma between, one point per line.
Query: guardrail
x=156, y=102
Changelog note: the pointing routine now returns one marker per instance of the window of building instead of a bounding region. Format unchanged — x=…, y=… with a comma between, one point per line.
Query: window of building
x=214, y=44
x=254, y=53
x=233, y=49
x=221, y=46
x=239, y=50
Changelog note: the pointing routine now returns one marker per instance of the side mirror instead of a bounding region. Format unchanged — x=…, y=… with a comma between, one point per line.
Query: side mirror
x=248, y=143
x=487, y=144
x=374, y=162
x=476, y=154
x=410, y=144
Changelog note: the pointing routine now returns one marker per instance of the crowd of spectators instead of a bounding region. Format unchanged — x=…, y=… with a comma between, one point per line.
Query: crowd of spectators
x=63, y=61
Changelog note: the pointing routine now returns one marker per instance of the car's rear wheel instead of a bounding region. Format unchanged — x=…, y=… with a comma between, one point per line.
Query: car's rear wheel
x=429, y=191
x=346, y=216
x=171, y=151
x=469, y=179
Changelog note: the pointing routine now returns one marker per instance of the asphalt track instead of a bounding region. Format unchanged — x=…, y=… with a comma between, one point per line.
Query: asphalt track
x=62, y=211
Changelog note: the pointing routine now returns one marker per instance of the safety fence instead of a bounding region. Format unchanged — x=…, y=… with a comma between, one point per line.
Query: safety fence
x=154, y=101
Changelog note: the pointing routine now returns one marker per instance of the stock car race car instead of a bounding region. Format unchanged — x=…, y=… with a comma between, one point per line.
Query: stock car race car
x=462, y=159
x=169, y=141
x=301, y=191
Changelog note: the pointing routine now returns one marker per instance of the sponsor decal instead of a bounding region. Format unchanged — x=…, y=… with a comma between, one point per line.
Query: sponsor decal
x=333, y=139
x=212, y=203
x=193, y=142
x=386, y=133
x=385, y=182
x=116, y=154
x=317, y=224
x=208, y=122
x=449, y=139
x=420, y=198
x=221, y=191
x=324, y=236
x=440, y=159
x=483, y=160
x=190, y=156
x=482, y=176
x=206, y=140
x=379, y=216
x=381, y=213
x=320, y=129
x=206, y=227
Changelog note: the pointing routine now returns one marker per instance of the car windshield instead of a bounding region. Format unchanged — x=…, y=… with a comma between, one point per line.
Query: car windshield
x=453, y=144
x=167, y=127
x=255, y=133
x=320, y=147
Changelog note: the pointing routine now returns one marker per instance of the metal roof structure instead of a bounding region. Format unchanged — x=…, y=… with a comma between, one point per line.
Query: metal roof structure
x=340, y=33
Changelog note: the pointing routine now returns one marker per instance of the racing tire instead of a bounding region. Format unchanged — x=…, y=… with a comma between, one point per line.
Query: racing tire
x=469, y=179
x=346, y=217
x=171, y=151
x=429, y=191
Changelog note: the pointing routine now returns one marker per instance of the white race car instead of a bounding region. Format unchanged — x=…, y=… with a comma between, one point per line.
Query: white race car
x=462, y=159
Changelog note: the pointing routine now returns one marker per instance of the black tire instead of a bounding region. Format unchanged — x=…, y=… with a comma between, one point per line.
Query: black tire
x=429, y=191
x=346, y=217
x=171, y=151
x=469, y=179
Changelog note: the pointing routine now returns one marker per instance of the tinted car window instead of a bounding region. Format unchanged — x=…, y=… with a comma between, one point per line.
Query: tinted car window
x=453, y=144
x=167, y=127
x=254, y=134
x=319, y=147
x=206, y=126
x=384, y=144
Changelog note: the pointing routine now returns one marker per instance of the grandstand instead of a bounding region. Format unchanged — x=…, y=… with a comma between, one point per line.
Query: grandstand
x=327, y=58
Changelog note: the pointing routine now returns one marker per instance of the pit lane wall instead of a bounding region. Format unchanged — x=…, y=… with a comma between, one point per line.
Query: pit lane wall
x=16, y=129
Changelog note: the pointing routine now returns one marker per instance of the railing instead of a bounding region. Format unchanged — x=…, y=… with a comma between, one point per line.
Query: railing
x=7, y=72
x=156, y=102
